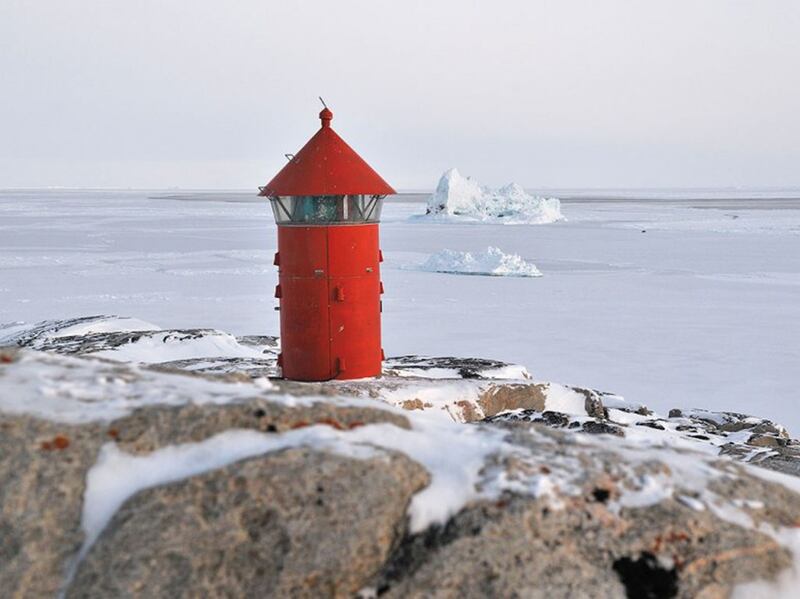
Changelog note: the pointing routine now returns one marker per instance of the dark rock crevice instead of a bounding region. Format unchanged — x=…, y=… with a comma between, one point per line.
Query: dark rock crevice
x=645, y=578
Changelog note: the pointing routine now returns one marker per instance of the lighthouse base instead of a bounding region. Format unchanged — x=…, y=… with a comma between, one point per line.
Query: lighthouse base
x=329, y=290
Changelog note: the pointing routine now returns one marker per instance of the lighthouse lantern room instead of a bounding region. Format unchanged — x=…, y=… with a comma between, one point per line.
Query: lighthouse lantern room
x=327, y=204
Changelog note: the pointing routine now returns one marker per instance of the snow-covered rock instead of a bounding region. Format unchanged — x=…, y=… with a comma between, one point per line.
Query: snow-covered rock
x=462, y=198
x=449, y=367
x=286, y=495
x=120, y=479
x=491, y=262
x=122, y=339
x=39, y=334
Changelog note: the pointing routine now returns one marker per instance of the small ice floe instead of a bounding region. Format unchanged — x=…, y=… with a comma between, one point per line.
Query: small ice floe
x=492, y=262
x=463, y=199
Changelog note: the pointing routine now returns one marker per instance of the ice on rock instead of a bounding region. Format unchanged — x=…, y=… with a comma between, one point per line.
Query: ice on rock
x=35, y=335
x=492, y=262
x=465, y=199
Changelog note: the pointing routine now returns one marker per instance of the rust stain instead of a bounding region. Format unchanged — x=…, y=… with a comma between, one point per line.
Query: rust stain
x=413, y=404
x=59, y=442
x=669, y=538
x=730, y=555
x=468, y=410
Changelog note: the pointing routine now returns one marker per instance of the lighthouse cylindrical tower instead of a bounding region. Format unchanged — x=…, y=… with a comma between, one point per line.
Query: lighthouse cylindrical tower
x=327, y=203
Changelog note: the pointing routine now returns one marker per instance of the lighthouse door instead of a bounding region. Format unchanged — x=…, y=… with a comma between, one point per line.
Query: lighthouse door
x=354, y=287
x=303, y=292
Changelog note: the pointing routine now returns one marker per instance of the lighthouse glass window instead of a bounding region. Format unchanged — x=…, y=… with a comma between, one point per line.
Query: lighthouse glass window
x=321, y=210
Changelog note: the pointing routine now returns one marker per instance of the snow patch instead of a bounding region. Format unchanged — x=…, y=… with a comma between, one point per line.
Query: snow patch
x=565, y=400
x=787, y=582
x=465, y=199
x=691, y=502
x=651, y=489
x=429, y=367
x=443, y=399
x=455, y=476
x=120, y=324
x=491, y=262
x=14, y=333
x=170, y=346
x=117, y=476
x=79, y=390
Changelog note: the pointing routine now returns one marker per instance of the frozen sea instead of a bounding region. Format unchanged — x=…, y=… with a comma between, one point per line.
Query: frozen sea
x=673, y=299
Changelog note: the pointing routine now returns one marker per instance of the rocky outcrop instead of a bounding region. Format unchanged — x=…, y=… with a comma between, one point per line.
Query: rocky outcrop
x=591, y=547
x=480, y=387
x=308, y=524
x=739, y=436
x=43, y=467
x=164, y=481
x=43, y=472
x=299, y=523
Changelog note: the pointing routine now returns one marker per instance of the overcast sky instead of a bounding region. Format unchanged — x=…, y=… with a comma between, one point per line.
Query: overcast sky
x=561, y=93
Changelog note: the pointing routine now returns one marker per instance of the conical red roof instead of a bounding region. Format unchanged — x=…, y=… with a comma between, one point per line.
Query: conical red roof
x=326, y=165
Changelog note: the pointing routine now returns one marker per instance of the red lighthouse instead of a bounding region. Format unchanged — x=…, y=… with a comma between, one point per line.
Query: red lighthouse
x=327, y=203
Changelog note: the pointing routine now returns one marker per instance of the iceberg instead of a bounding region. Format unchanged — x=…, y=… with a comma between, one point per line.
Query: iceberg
x=462, y=198
x=492, y=262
